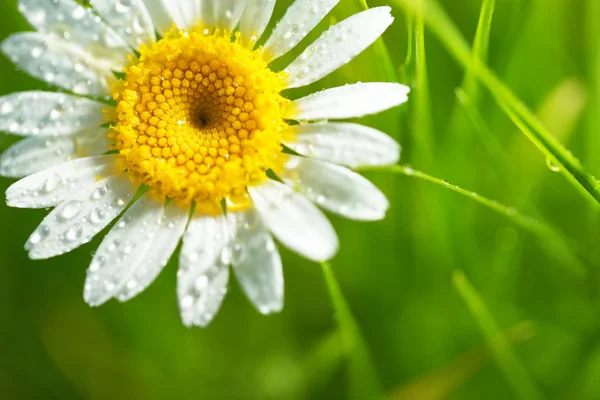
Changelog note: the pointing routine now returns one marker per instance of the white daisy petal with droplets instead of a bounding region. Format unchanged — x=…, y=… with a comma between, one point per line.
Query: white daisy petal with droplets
x=121, y=250
x=299, y=19
x=130, y=19
x=256, y=261
x=295, y=221
x=227, y=13
x=92, y=142
x=35, y=154
x=38, y=153
x=72, y=22
x=335, y=188
x=212, y=160
x=255, y=19
x=80, y=217
x=183, y=13
x=48, y=113
x=338, y=45
x=349, y=101
x=203, y=269
x=347, y=144
x=59, y=63
x=52, y=186
x=161, y=14
x=161, y=246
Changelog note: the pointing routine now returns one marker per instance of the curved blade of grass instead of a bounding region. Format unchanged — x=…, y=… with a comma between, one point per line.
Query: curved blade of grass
x=442, y=26
x=549, y=239
x=507, y=361
x=363, y=381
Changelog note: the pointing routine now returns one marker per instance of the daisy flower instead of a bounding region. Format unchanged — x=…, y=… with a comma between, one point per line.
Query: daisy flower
x=198, y=144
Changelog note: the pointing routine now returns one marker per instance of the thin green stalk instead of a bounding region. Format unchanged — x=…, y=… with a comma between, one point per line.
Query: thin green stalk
x=407, y=73
x=549, y=239
x=459, y=129
x=480, y=46
x=507, y=361
x=422, y=115
x=449, y=35
x=363, y=381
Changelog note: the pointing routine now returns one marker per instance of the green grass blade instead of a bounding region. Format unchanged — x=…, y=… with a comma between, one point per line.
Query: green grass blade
x=451, y=38
x=363, y=381
x=480, y=45
x=550, y=240
x=422, y=114
x=507, y=361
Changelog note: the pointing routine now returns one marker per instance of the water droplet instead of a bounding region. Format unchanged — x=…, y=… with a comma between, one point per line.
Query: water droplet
x=97, y=263
x=226, y=256
x=52, y=183
x=40, y=234
x=71, y=209
x=132, y=284
x=97, y=215
x=98, y=193
x=238, y=253
x=187, y=302
x=552, y=165
x=73, y=233
x=201, y=283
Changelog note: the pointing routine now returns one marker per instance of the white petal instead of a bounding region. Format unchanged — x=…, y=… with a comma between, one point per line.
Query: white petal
x=299, y=19
x=206, y=15
x=130, y=19
x=125, y=246
x=184, y=13
x=75, y=23
x=295, y=221
x=58, y=62
x=48, y=113
x=203, y=269
x=256, y=261
x=35, y=154
x=338, y=45
x=346, y=144
x=165, y=13
x=227, y=13
x=80, y=217
x=50, y=187
x=161, y=247
x=336, y=188
x=92, y=142
x=349, y=101
x=255, y=19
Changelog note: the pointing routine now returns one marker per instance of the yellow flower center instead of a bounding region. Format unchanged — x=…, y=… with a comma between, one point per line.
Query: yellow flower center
x=200, y=118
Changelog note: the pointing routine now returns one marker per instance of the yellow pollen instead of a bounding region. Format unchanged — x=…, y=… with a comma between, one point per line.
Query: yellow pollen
x=200, y=118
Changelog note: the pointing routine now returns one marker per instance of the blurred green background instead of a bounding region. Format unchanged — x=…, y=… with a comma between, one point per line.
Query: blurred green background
x=429, y=334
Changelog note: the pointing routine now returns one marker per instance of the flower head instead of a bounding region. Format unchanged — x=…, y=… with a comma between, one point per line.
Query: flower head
x=192, y=141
